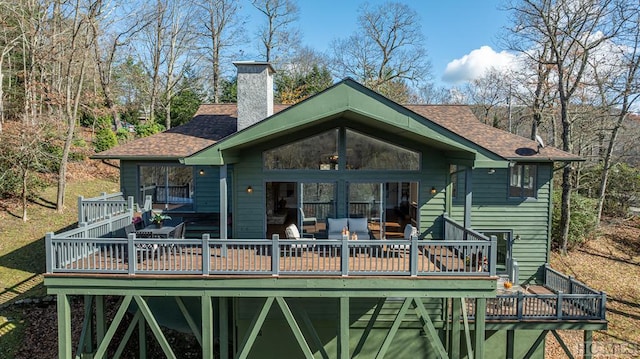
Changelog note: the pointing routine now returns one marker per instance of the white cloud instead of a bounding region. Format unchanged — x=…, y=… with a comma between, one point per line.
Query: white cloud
x=475, y=63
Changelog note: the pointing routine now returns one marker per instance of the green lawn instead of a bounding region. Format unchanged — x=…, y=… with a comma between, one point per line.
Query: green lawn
x=22, y=258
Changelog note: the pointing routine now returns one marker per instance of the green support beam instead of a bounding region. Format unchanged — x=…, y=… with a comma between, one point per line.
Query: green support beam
x=187, y=316
x=588, y=344
x=370, y=324
x=207, y=327
x=295, y=328
x=343, y=342
x=155, y=327
x=429, y=329
x=127, y=335
x=481, y=313
x=223, y=304
x=104, y=343
x=394, y=329
x=255, y=326
x=64, y=326
x=454, y=348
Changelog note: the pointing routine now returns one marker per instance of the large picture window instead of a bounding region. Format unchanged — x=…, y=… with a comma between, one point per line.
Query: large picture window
x=171, y=187
x=522, y=181
x=367, y=153
x=317, y=152
x=323, y=151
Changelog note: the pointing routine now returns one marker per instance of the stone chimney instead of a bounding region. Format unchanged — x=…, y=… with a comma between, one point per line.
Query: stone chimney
x=255, y=92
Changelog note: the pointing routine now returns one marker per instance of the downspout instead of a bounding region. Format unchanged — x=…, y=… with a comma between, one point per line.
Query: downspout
x=223, y=203
x=468, y=197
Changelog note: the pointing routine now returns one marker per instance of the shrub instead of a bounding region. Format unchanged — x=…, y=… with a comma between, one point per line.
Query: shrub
x=105, y=139
x=148, y=129
x=123, y=135
x=583, y=220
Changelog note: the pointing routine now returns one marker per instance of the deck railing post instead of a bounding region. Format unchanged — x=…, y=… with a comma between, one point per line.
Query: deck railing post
x=413, y=264
x=80, y=209
x=275, y=255
x=344, y=255
x=559, y=306
x=571, y=282
x=48, y=249
x=131, y=253
x=520, y=305
x=206, y=255
x=603, y=305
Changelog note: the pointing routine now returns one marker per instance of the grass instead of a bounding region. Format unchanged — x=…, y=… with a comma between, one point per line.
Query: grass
x=610, y=263
x=22, y=258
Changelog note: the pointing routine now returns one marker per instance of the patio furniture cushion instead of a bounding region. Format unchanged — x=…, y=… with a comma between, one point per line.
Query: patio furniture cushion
x=335, y=227
x=359, y=226
x=292, y=232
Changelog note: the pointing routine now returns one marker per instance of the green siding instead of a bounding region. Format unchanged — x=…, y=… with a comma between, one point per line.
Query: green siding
x=528, y=219
x=207, y=189
x=129, y=179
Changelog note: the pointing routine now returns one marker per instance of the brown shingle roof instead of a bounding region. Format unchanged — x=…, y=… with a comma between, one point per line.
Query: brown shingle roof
x=213, y=122
x=460, y=120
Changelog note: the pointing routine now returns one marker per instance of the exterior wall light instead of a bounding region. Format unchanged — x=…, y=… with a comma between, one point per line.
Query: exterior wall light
x=491, y=171
x=249, y=190
x=433, y=190
x=201, y=172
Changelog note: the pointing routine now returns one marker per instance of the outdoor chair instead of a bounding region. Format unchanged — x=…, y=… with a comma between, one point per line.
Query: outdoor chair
x=308, y=221
x=409, y=232
x=178, y=232
x=292, y=232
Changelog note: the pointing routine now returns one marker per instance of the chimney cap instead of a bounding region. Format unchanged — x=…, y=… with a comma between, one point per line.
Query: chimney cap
x=255, y=63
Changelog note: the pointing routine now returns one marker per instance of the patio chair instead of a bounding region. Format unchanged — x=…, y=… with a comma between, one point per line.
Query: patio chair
x=178, y=232
x=292, y=232
x=409, y=232
x=308, y=221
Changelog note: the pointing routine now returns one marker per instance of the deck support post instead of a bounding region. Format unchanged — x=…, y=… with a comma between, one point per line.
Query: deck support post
x=207, y=327
x=142, y=337
x=454, y=348
x=64, y=326
x=100, y=324
x=588, y=344
x=510, y=343
x=223, y=320
x=480, y=316
x=343, y=346
x=468, y=197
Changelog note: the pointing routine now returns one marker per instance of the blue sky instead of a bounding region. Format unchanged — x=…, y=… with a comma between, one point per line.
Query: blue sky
x=453, y=29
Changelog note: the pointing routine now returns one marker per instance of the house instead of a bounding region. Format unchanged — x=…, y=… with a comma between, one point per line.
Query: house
x=447, y=209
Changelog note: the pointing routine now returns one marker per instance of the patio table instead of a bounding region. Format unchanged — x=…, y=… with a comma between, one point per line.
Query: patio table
x=154, y=232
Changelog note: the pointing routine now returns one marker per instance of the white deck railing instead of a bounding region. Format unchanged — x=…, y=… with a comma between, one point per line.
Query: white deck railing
x=77, y=252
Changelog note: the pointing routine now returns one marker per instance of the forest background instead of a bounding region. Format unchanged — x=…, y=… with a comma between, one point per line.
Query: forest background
x=128, y=69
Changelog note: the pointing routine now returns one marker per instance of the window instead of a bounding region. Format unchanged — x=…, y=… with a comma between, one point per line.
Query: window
x=367, y=153
x=522, y=181
x=322, y=152
x=317, y=152
x=171, y=187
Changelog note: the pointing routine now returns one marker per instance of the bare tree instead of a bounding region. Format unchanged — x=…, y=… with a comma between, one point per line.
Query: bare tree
x=572, y=30
x=73, y=70
x=387, y=50
x=619, y=88
x=220, y=27
x=111, y=32
x=277, y=34
x=489, y=94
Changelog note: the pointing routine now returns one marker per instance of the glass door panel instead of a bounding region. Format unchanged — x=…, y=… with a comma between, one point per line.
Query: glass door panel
x=366, y=200
x=317, y=203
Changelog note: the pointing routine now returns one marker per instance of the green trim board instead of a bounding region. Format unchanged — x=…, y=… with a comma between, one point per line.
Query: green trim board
x=347, y=102
x=467, y=287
